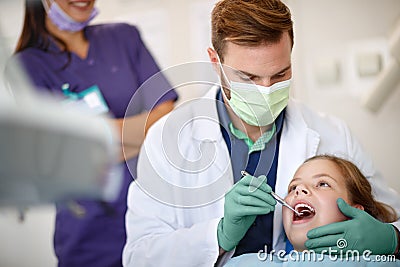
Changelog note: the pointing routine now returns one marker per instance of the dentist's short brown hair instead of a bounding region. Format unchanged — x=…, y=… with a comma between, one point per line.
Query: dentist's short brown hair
x=249, y=23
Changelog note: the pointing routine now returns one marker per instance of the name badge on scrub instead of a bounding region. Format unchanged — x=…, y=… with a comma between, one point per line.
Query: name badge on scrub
x=90, y=100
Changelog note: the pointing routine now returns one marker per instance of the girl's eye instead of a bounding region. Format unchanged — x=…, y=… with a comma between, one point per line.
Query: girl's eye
x=323, y=184
x=291, y=188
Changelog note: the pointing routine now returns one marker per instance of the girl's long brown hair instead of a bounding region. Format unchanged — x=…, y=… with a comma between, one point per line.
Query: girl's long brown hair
x=359, y=188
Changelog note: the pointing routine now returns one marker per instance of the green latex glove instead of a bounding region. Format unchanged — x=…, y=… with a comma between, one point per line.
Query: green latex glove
x=248, y=198
x=362, y=232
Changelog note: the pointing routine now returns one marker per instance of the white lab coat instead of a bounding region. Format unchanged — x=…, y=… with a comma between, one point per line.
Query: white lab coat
x=172, y=221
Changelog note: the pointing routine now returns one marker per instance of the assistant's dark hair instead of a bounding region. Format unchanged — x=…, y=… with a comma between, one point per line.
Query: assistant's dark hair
x=34, y=32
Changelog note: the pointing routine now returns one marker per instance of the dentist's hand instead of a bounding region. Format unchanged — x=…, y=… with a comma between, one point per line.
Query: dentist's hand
x=362, y=232
x=248, y=198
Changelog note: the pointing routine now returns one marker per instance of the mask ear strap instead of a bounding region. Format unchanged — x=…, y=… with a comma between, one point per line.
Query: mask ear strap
x=222, y=69
x=226, y=78
x=46, y=6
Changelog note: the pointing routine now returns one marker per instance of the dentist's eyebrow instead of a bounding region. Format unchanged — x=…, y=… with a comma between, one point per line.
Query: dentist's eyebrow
x=257, y=76
x=248, y=74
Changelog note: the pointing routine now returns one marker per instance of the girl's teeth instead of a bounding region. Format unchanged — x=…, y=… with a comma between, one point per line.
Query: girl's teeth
x=302, y=205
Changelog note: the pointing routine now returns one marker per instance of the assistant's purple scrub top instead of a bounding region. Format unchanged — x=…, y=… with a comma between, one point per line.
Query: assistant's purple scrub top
x=118, y=63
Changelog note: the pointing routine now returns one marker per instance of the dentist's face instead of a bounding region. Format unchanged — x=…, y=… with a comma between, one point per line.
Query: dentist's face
x=264, y=64
x=79, y=10
x=314, y=190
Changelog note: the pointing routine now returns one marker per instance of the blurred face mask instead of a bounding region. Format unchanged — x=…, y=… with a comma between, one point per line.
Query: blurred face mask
x=62, y=20
x=255, y=104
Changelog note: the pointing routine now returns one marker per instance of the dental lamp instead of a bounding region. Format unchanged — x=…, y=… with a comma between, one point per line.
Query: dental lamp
x=389, y=79
x=49, y=154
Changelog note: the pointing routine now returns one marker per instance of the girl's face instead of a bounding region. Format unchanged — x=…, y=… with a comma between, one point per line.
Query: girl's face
x=79, y=10
x=313, y=191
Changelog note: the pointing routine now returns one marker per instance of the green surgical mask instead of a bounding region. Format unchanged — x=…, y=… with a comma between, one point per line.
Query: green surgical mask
x=258, y=105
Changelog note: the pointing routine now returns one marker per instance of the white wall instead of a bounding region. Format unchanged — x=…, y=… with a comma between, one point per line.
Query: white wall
x=177, y=31
x=339, y=30
x=28, y=242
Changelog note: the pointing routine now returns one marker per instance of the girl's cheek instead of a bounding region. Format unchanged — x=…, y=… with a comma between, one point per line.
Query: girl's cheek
x=289, y=196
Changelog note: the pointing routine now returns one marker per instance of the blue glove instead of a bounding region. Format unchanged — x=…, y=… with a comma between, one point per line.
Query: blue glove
x=362, y=232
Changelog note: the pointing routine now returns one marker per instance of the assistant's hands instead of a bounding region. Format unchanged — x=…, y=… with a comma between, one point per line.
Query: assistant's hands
x=362, y=232
x=248, y=198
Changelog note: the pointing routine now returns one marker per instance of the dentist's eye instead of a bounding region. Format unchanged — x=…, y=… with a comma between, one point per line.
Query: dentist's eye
x=245, y=78
x=282, y=74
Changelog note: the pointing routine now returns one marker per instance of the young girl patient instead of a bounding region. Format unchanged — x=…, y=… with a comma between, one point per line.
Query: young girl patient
x=314, y=191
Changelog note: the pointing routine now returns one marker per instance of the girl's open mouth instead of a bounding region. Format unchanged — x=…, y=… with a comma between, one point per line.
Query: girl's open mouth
x=306, y=210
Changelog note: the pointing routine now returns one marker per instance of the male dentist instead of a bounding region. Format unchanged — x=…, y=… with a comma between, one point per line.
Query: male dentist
x=190, y=205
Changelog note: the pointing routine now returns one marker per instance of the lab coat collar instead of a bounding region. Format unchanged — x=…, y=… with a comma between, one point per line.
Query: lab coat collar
x=295, y=120
x=206, y=117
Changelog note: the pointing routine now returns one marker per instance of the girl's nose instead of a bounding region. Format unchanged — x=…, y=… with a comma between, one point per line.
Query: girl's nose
x=301, y=189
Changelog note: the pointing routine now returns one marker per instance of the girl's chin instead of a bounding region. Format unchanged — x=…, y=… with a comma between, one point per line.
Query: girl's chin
x=299, y=249
x=298, y=243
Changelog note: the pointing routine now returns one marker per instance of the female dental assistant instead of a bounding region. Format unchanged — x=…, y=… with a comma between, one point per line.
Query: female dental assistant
x=58, y=50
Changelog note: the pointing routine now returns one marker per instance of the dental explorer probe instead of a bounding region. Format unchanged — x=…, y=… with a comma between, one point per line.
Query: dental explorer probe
x=278, y=198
